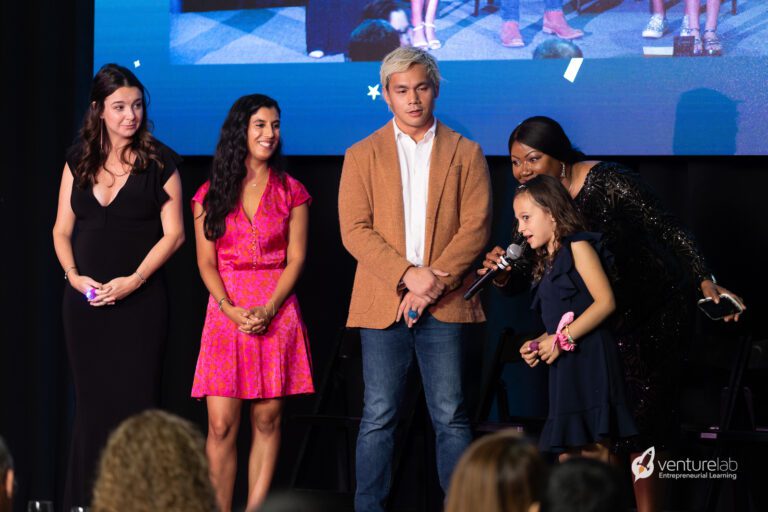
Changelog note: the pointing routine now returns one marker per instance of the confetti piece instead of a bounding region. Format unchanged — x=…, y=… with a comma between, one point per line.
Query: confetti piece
x=573, y=69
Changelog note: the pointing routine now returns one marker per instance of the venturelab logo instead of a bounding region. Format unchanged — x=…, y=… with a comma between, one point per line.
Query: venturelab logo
x=642, y=466
x=676, y=469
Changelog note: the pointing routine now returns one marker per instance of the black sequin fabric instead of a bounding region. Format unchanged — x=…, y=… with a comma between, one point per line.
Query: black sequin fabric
x=657, y=270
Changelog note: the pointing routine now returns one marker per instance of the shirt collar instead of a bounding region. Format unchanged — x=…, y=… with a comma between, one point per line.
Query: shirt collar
x=427, y=136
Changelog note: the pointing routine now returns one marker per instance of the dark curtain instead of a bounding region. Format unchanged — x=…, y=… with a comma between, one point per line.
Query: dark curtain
x=47, y=53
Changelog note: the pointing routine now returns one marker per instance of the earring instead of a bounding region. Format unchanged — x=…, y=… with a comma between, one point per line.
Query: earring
x=101, y=134
x=562, y=171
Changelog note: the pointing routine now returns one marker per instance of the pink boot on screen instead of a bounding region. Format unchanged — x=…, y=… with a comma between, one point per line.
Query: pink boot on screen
x=510, y=35
x=554, y=23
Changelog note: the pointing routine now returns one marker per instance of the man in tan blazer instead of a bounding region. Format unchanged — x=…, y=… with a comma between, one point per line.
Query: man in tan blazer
x=414, y=210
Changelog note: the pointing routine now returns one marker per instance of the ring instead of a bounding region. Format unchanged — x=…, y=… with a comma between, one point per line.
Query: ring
x=534, y=346
x=413, y=315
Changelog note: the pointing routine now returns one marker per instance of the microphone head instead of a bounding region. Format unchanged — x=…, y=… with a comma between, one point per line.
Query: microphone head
x=515, y=251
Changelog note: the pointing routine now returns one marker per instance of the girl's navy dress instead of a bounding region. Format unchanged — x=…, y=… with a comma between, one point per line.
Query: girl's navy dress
x=586, y=387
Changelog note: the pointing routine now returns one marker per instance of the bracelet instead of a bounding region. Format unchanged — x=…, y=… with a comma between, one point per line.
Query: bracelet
x=274, y=309
x=221, y=302
x=563, y=337
x=68, y=270
x=568, y=336
x=141, y=277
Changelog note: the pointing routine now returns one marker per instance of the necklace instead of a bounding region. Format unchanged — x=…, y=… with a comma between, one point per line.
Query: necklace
x=116, y=174
x=257, y=182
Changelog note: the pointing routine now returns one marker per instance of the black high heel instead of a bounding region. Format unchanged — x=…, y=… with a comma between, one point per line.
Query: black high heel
x=693, y=32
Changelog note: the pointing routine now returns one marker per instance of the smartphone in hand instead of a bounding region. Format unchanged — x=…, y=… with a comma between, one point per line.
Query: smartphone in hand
x=727, y=306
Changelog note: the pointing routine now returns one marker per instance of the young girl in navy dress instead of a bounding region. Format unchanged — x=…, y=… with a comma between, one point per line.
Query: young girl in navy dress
x=572, y=293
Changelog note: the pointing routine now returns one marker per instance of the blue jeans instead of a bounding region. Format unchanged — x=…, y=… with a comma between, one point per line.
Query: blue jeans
x=510, y=9
x=387, y=356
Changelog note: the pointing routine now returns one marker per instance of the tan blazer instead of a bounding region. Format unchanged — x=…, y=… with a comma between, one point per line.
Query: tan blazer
x=373, y=226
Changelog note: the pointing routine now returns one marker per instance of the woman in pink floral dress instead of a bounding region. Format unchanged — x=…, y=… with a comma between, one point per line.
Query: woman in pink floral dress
x=251, y=231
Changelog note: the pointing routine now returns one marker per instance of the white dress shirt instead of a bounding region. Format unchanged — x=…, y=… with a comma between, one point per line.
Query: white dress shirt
x=414, y=160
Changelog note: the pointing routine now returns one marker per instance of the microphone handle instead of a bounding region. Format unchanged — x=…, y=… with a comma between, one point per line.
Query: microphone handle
x=480, y=283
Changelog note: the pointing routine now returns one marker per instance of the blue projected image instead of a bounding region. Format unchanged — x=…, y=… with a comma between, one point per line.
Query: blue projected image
x=319, y=59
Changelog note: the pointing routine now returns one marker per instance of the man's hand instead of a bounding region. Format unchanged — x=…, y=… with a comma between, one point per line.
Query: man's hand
x=423, y=281
x=411, y=308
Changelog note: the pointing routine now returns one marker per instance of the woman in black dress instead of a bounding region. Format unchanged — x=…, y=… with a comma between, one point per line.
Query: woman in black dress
x=119, y=219
x=657, y=271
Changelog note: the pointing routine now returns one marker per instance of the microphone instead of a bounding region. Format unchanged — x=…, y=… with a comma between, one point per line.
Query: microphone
x=514, y=252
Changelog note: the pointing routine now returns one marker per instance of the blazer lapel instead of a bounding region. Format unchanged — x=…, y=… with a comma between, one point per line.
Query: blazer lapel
x=389, y=182
x=446, y=141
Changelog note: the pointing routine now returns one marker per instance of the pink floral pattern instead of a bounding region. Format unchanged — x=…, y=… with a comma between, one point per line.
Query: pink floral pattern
x=251, y=257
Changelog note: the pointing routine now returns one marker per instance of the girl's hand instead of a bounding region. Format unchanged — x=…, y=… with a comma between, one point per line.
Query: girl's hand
x=530, y=356
x=547, y=352
x=116, y=289
x=713, y=291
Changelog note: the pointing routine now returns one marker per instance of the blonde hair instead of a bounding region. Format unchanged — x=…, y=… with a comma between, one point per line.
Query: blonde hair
x=154, y=461
x=501, y=472
x=401, y=59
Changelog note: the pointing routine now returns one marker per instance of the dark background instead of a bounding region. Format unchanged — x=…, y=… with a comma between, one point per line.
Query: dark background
x=47, y=48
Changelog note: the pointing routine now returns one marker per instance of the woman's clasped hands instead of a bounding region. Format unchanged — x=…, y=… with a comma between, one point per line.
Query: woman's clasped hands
x=108, y=293
x=253, y=320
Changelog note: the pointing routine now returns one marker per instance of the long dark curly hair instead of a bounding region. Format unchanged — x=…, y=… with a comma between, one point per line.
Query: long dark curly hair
x=551, y=195
x=228, y=168
x=93, y=146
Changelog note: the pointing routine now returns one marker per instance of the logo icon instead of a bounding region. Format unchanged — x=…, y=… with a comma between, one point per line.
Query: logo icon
x=642, y=466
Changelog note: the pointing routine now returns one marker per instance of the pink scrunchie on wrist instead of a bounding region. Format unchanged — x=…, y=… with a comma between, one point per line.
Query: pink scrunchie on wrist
x=560, y=337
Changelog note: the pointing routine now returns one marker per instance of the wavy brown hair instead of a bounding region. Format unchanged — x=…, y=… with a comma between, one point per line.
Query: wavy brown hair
x=552, y=196
x=93, y=146
x=154, y=461
x=501, y=472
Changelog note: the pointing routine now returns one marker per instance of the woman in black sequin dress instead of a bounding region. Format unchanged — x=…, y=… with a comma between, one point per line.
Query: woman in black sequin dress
x=657, y=270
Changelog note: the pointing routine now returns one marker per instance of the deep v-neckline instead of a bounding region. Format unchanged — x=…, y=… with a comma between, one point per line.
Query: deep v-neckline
x=114, y=198
x=252, y=219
